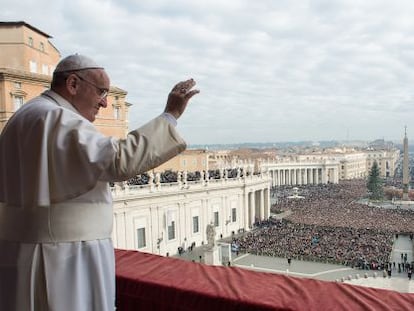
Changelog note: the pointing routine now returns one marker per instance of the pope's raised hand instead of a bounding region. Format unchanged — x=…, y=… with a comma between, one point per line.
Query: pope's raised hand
x=179, y=97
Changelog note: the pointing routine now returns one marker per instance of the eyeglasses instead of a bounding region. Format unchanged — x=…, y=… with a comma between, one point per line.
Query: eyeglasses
x=101, y=92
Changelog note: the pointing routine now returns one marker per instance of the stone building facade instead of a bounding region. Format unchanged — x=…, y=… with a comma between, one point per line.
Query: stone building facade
x=27, y=61
x=159, y=218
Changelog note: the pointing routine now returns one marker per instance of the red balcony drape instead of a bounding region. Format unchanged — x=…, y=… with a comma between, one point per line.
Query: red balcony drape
x=151, y=282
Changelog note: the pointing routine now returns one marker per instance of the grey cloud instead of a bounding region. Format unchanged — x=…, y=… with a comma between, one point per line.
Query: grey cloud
x=267, y=70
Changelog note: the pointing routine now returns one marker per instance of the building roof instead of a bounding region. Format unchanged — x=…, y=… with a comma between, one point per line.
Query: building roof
x=22, y=23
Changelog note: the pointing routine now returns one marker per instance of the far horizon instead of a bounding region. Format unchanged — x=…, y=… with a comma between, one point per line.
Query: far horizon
x=304, y=143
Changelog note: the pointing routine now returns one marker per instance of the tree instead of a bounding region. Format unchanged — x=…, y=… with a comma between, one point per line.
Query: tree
x=374, y=183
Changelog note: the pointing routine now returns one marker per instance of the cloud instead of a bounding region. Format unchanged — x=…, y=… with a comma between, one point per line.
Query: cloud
x=267, y=70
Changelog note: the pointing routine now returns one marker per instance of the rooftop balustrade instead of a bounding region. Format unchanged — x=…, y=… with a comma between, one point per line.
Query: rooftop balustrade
x=154, y=184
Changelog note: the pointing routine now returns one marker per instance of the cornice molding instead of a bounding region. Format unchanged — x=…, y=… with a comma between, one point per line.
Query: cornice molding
x=9, y=74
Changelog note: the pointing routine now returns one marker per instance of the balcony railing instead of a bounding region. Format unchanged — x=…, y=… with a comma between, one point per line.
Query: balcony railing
x=123, y=189
x=151, y=282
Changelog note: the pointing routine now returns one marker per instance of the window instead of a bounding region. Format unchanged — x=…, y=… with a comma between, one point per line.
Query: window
x=33, y=66
x=42, y=46
x=233, y=214
x=30, y=41
x=117, y=113
x=184, y=162
x=17, y=85
x=141, y=238
x=171, y=230
x=18, y=102
x=195, y=224
x=216, y=219
x=45, y=69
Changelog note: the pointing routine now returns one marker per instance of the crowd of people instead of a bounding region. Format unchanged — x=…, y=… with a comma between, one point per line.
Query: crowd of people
x=326, y=222
x=329, y=223
x=169, y=176
x=348, y=246
x=339, y=205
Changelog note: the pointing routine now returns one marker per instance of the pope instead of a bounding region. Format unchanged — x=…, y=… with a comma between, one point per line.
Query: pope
x=55, y=202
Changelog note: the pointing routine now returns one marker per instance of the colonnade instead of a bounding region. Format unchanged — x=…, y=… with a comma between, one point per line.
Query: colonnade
x=256, y=203
x=302, y=174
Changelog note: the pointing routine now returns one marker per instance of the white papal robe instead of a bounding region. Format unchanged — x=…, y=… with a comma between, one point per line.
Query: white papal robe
x=56, y=214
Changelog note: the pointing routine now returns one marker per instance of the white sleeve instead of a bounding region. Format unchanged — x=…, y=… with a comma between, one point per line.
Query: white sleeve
x=145, y=148
x=170, y=118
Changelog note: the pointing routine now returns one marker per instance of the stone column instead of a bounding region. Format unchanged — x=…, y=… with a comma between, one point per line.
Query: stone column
x=289, y=176
x=324, y=174
x=246, y=210
x=181, y=223
x=207, y=216
x=262, y=213
x=336, y=178
x=304, y=180
x=266, y=203
x=294, y=179
x=252, y=208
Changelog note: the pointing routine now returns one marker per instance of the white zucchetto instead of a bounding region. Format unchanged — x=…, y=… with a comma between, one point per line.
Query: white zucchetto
x=76, y=62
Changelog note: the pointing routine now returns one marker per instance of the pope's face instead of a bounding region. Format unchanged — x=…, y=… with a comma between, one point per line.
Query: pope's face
x=92, y=92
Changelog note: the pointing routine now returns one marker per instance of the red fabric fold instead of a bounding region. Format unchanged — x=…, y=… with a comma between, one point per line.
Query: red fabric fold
x=150, y=282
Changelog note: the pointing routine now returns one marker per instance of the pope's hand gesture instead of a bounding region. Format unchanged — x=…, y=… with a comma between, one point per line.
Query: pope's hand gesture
x=179, y=97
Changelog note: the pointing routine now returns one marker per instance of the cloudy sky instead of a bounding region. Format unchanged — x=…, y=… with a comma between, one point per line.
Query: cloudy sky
x=268, y=70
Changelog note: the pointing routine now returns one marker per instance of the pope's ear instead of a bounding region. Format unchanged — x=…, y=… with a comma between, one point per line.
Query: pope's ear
x=72, y=84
